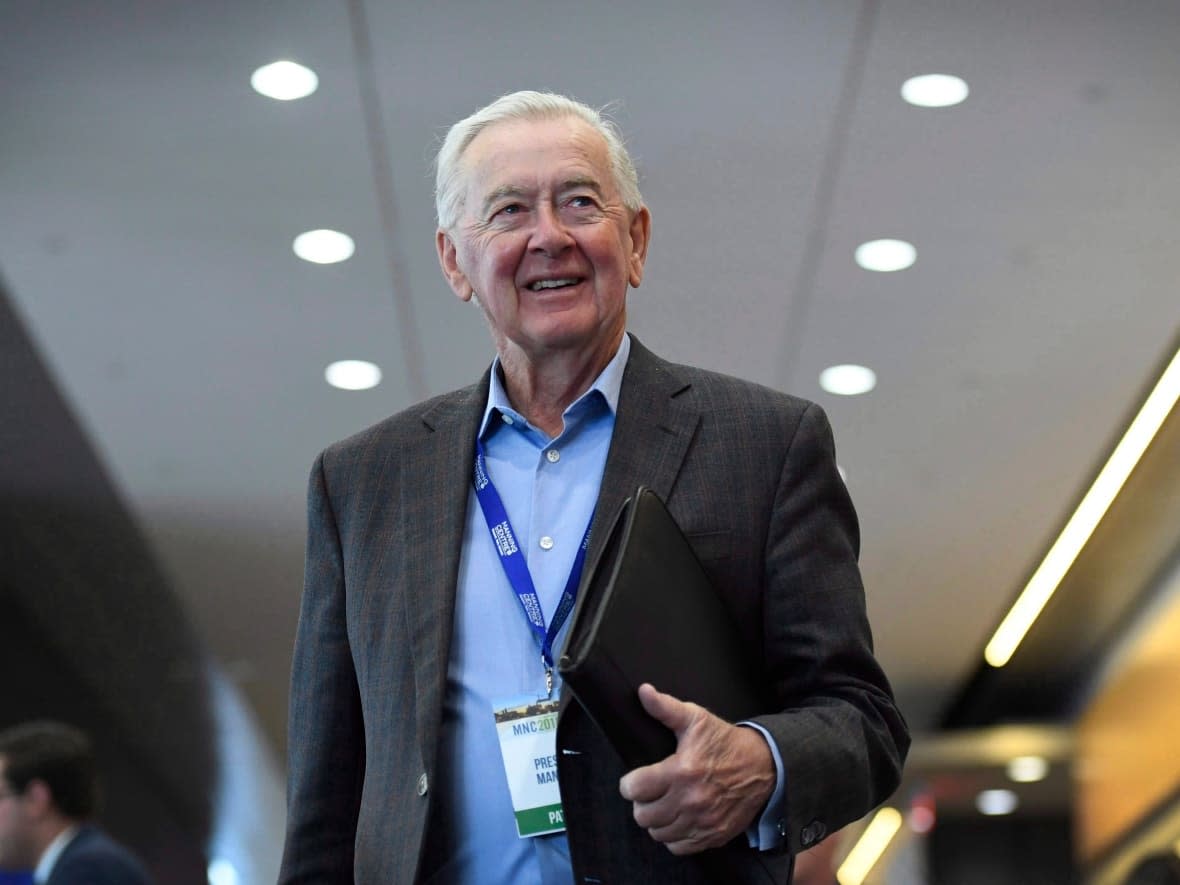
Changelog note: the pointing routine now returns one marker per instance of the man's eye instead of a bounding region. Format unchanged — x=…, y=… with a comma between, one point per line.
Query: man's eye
x=582, y=202
x=510, y=209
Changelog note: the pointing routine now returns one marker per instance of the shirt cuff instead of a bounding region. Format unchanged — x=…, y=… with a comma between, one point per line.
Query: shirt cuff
x=766, y=833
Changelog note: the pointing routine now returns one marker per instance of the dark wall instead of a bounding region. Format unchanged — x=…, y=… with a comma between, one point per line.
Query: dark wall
x=1001, y=851
x=90, y=632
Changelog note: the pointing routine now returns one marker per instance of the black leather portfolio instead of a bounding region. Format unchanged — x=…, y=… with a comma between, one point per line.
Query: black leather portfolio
x=649, y=614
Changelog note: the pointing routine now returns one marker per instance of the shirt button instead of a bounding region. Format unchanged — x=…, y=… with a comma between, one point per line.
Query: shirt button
x=422, y=784
x=546, y=543
x=507, y=418
x=553, y=455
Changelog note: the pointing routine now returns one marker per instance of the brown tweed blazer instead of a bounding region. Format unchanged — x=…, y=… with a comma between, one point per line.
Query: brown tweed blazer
x=749, y=473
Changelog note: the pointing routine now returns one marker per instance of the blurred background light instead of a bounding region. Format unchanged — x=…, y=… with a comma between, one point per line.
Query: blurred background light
x=222, y=872
x=996, y=802
x=324, y=246
x=886, y=256
x=869, y=848
x=353, y=375
x=1027, y=769
x=934, y=90
x=848, y=380
x=284, y=81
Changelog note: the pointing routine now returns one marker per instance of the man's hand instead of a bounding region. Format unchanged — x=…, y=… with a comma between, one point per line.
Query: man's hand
x=712, y=788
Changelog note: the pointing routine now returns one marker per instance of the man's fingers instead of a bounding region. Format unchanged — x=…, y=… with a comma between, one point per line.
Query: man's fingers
x=686, y=846
x=654, y=816
x=675, y=831
x=684, y=843
x=643, y=784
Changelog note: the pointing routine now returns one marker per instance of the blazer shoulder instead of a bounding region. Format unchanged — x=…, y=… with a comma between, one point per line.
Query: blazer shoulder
x=647, y=369
x=94, y=858
x=405, y=426
x=723, y=394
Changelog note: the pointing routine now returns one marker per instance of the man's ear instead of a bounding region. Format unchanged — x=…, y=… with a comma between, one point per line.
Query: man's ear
x=640, y=237
x=38, y=798
x=448, y=260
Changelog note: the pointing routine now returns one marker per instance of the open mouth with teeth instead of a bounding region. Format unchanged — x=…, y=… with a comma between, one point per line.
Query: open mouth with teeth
x=564, y=282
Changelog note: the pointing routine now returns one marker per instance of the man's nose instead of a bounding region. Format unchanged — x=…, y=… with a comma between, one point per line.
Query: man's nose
x=550, y=234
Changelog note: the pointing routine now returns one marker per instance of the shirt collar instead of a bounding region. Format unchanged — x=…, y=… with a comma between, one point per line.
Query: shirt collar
x=608, y=384
x=49, y=857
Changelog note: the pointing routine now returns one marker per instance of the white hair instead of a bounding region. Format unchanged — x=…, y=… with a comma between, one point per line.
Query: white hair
x=525, y=105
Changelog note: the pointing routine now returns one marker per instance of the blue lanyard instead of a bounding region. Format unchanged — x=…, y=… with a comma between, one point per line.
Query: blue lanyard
x=516, y=567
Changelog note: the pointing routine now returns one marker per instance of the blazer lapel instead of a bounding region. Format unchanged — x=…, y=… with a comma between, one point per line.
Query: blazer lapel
x=653, y=429
x=434, y=510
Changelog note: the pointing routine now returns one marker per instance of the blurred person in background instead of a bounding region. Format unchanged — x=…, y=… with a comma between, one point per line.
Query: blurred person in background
x=48, y=795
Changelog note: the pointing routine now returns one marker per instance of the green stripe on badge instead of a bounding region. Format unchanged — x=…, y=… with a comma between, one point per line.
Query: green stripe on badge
x=545, y=819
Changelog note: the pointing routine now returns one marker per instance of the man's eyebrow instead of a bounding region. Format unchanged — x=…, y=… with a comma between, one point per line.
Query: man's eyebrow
x=500, y=193
x=581, y=181
x=513, y=191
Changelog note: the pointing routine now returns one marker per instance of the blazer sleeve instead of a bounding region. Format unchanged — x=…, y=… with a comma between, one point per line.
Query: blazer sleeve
x=326, y=750
x=840, y=735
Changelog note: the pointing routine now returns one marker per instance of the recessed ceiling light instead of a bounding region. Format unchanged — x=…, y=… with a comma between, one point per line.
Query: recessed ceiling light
x=284, y=80
x=848, y=380
x=934, y=90
x=324, y=246
x=886, y=256
x=353, y=375
x=1027, y=769
x=996, y=802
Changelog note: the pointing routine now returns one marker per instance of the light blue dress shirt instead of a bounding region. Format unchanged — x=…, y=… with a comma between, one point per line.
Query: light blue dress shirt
x=549, y=488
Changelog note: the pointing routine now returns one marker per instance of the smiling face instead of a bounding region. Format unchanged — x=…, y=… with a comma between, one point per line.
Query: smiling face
x=544, y=240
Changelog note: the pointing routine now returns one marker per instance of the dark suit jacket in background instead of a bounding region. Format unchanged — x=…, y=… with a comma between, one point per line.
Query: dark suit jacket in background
x=748, y=473
x=93, y=858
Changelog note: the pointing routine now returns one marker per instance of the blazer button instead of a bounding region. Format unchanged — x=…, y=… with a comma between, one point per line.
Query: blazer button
x=422, y=784
x=812, y=833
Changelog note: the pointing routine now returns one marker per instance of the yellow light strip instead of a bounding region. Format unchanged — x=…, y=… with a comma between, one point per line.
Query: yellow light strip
x=1081, y=525
x=869, y=848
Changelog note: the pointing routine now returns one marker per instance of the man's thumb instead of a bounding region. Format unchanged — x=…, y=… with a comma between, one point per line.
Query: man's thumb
x=671, y=711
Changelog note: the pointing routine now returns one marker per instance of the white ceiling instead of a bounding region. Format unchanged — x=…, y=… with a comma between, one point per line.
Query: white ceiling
x=148, y=199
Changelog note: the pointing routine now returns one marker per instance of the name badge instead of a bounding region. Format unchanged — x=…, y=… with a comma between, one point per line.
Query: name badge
x=527, y=729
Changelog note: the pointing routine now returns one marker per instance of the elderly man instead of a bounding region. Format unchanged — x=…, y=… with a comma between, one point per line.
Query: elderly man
x=48, y=789
x=446, y=546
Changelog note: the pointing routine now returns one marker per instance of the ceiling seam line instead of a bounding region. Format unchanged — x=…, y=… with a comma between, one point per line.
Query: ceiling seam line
x=815, y=242
x=380, y=160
